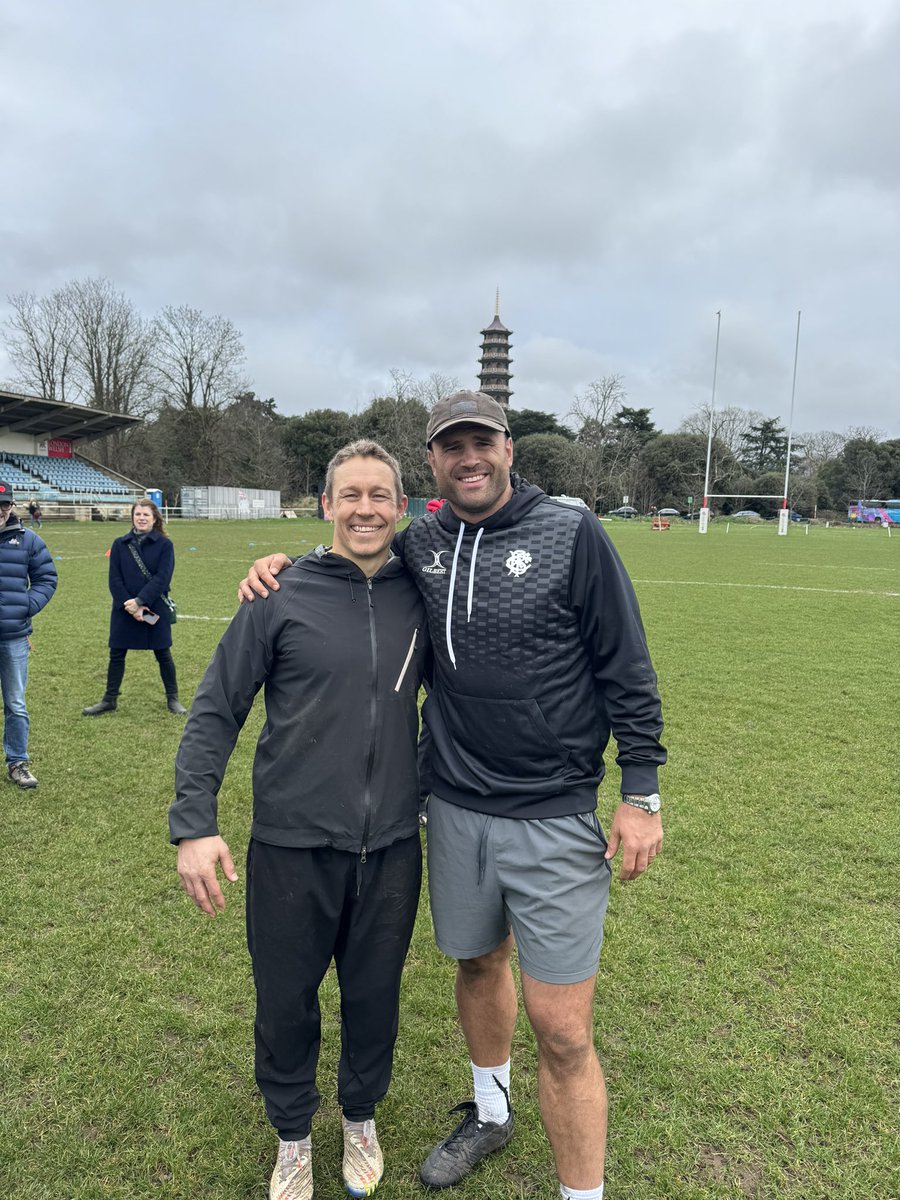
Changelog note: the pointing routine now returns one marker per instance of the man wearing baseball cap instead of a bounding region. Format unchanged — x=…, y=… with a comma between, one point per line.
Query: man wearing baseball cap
x=27, y=581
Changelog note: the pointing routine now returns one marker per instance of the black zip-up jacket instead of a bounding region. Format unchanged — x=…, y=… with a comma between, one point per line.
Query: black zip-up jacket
x=341, y=657
x=539, y=654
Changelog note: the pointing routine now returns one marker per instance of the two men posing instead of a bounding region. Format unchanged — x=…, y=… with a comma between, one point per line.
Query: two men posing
x=539, y=654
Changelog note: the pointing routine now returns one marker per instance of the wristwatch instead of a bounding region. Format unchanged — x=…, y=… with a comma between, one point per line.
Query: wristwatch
x=647, y=804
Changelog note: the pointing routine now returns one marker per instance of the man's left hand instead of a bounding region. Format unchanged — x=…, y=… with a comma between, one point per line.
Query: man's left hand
x=639, y=835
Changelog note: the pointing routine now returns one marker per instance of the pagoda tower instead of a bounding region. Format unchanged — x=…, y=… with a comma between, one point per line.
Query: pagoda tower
x=495, y=373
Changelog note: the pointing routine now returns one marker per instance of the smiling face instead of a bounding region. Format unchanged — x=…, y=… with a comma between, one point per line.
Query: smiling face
x=142, y=518
x=5, y=510
x=471, y=466
x=365, y=509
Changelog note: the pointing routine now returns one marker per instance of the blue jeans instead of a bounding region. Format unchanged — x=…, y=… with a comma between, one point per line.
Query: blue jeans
x=13, y=677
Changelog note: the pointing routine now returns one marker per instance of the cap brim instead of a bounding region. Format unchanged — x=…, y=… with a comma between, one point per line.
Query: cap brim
x=468, y=419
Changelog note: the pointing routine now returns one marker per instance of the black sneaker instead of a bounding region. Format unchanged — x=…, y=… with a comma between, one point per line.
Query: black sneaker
x=20, y=775
x=174, y=705
x=102, y=706
x=471, y=1141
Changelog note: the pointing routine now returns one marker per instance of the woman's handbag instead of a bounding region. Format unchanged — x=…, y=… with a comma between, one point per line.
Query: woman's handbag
x=168, y=603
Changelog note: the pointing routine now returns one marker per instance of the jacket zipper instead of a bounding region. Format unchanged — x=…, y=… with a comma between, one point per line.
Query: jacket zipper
x=373, y=725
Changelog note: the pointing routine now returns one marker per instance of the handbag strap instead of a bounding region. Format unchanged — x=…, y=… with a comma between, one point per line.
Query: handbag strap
x=140, y=562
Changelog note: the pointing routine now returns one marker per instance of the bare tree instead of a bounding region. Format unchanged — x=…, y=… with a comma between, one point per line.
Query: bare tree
x=820, y=447
x=602, y=447
x=112, y=347
x=197, y=359
x=730, y=424
x=436, y=387
x=39, y=336
x=405, y=386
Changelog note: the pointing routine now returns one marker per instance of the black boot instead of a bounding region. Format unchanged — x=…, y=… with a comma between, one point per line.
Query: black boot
x=174, y=705
x=107, y=704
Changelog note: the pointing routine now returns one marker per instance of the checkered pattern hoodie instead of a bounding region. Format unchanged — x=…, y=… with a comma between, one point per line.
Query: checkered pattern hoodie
x=540, y=655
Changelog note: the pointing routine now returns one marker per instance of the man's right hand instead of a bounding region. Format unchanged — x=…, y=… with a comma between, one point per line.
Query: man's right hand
x=261, y=577
x=197, y=860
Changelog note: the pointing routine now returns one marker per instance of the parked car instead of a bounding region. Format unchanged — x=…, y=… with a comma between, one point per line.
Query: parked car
x=668, y=512
x=574, y=501
x=746, y=514
x=795, y=516
x=625, y=510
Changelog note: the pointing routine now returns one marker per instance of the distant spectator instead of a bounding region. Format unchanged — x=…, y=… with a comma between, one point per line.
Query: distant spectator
x=140, y=571
x=37, y=517
x=27, y=581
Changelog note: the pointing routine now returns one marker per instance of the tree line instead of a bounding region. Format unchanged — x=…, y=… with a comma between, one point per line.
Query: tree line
x=182, y=372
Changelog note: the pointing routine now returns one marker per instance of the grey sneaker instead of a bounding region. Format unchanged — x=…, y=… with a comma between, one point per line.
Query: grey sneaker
x=19, y=774
x=107, y=704
x=292, y=1178
x=174, y=705
x=470, y=1142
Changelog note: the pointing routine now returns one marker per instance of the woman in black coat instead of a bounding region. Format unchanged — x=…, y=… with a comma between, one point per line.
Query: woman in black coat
x=139, y=618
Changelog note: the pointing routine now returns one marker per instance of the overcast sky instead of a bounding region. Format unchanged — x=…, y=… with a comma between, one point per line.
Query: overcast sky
x=350, y=180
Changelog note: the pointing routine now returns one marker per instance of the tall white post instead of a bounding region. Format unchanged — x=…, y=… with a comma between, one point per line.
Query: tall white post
x=784, y=516
x=703, y=523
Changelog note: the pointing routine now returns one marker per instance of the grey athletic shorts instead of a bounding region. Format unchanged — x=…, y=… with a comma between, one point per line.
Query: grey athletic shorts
x=546, y=879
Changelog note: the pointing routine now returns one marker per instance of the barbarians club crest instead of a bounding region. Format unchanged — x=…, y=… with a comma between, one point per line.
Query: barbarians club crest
x=518, y=562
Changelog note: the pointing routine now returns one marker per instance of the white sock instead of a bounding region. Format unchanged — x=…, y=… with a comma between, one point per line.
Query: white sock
x=568, y=1193
x=492, y=1093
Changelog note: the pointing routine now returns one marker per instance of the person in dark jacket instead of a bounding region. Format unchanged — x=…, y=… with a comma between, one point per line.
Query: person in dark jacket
x=539, y=656
x=334, y=863
x=27, y=582
x=140, y=573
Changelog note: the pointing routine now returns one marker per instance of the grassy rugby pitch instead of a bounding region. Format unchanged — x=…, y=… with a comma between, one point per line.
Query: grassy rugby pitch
x=747, y=1000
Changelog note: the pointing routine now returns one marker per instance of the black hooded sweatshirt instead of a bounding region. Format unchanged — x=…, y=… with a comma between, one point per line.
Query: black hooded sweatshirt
x=539, y=654
x=341, y=657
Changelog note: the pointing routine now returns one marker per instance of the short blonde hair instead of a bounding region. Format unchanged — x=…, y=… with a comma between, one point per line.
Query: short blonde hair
x=363, y=448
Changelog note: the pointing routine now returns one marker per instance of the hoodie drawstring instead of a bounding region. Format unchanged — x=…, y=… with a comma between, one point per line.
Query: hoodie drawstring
x=472, y=576
x=449, y=635
x=471, y=589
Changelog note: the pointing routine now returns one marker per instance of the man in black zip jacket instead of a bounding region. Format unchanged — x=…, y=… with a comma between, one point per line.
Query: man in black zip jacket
x=334, y=862
x=540, y=655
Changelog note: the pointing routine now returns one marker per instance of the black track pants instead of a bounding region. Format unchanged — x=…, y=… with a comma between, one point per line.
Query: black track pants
x=303, y=910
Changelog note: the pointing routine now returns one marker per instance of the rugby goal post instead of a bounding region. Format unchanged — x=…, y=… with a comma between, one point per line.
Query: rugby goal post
x=784, y=517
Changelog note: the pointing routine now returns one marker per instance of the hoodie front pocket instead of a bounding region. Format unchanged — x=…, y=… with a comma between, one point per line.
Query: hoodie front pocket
x=497, y=743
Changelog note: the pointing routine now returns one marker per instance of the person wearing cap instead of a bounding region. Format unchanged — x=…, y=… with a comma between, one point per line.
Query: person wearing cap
x=540, y=656
x=27, y=582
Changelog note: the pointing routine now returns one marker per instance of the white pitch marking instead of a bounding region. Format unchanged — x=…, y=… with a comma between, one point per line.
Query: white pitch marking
x=187, y=617
x=770, y=587
x=824, y=566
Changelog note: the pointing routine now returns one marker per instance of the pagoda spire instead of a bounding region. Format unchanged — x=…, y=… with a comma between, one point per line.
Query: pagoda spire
x=495, y=373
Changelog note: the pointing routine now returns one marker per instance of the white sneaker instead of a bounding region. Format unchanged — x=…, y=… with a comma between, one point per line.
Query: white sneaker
x=292, y=1178
x=363, y=1160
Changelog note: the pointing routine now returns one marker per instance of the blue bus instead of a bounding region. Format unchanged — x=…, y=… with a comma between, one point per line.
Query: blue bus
x=875, y=512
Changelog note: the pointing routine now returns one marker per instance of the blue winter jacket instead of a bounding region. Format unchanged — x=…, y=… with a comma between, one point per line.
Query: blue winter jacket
x=27, y=578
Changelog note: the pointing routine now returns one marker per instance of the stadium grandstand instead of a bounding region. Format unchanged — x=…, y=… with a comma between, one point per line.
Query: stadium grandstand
x=42, y=456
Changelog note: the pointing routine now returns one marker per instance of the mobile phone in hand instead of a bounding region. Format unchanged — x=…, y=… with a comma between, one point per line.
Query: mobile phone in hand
x=150, y=618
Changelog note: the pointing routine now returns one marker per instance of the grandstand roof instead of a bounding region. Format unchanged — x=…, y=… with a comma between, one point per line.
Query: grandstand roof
x=32, y=414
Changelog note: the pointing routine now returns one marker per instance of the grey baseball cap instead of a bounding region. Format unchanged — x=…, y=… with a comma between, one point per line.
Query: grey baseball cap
x=466, y=408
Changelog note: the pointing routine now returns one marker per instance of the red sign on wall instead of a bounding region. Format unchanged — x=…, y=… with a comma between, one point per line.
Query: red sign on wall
x=59, y=448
